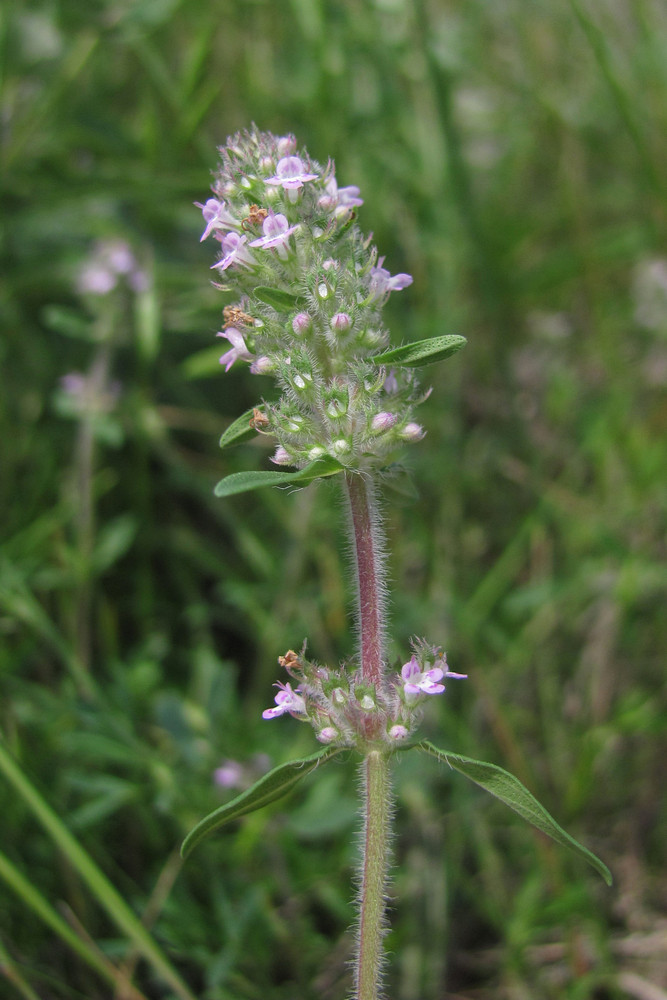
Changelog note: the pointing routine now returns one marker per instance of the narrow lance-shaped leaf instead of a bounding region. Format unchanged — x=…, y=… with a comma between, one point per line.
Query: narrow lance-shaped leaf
x=272, y=786
x=239, y=429
x=241, y=482
x=509, y=790
x=423, y=352
x=277, y=297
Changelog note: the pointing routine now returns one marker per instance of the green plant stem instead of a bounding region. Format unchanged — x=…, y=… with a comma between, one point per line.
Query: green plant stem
x=375, y=863
x=369, y=575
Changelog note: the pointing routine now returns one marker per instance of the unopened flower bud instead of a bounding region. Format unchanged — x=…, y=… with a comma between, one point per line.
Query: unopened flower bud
x=398, y=733
x=383, y=421
x=341, y=323
x=316, y=453
x=262, y=365
x=340, y=447
x=412, y=432
x=327, y=735
x=301, y=323
x=286, y=145
x=281, y=456
x=367, y=703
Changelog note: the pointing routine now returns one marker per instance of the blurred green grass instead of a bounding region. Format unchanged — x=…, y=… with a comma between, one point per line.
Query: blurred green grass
x=511, y=158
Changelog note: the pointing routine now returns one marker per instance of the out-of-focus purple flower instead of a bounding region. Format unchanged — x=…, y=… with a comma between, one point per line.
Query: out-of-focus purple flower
x=238, y=350
x=229, y=774
x=291, y=175
x=234, y=252
x=277, y=231
x=286, y=701
x=382, y=282
x=109, y=261
x=87, y=396
x=216, y=217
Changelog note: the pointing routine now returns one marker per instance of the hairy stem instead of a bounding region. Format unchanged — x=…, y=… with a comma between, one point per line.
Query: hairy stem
x=374, y=867
x=368, y=566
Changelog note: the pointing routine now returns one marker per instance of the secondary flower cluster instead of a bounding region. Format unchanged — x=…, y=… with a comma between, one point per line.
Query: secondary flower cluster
x=344, y=710
x=308, y=290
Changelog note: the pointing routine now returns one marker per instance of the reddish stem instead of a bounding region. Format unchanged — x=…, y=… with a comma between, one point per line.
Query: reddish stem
x=369, y=576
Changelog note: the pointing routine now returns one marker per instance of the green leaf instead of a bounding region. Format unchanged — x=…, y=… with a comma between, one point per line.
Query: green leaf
x=241, y=482
x=276, y=297
x=509, y=790
x=203, y=363
x=272, y=786
x=239, y=429
x=423, y=352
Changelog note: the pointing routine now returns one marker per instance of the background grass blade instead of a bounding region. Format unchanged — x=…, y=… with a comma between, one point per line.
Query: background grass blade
x=103, y=891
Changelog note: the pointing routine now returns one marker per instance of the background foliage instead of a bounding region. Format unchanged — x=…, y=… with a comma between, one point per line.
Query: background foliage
x=511, y=157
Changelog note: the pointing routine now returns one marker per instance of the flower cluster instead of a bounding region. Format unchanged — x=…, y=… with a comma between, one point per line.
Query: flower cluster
x=345, y=710
x=308, y=290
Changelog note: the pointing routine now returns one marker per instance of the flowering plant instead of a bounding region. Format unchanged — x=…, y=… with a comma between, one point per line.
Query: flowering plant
x=308, y=290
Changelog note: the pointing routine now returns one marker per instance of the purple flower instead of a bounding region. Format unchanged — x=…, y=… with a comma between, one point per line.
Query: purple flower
x=286, y=701
x=238, y=350
x=417, y=681
x=277, y=231
x=216, y=216
x=340, y=200
x=382, y=282
x=291, y=174
x=234, y=252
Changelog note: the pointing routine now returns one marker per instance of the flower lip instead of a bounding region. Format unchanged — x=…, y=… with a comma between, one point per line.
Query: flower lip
x=277, y=231
x=382, y=282
x=291, y=174
x=216, y=216
x=238, y=350
x=417, y=681
x=234, y=251
x=286, y=700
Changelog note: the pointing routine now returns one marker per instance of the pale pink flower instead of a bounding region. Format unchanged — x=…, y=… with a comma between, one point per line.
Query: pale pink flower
x=216, y=216
x=277, y=232
x=238, y=350
x=286, y=701
x=291, y=175
x=382, y=282
x=234, y=252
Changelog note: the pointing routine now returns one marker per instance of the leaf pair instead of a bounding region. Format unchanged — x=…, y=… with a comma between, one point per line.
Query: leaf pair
x=490, y=777
x=424, y=352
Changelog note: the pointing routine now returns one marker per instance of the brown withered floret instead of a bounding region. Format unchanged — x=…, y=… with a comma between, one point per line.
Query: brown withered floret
x=259, y=420
x=255, y=217
x=234, y=316
x=290, y=659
